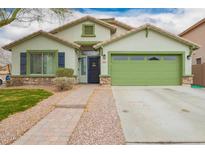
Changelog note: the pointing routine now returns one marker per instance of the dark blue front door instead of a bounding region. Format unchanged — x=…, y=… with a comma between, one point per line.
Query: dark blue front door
x=93, y=69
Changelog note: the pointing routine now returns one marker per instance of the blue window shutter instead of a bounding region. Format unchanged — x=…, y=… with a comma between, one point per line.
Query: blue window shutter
x=61, y=59
x=23, y=63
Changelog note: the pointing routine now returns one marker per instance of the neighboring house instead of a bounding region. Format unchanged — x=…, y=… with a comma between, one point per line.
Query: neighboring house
x=105, y=51
x=4, y=71
x=5, y=57
x=5, y=61
x=196, y=33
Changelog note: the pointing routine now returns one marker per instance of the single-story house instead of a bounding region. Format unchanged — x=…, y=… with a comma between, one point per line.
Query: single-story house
x=196, y=33
x=104, y=51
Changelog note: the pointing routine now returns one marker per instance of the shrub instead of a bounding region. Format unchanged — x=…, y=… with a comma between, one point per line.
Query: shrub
x=64, y=72
x=63, y=83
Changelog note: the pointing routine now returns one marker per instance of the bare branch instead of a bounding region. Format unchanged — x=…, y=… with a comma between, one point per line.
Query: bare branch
x=10, y=19
x=28, y=15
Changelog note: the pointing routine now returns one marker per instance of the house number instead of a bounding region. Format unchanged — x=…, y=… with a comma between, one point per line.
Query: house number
x=93, y=65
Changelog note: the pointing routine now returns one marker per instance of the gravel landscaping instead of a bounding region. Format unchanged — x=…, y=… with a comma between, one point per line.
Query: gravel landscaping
x=100, y=123
x=16, y=125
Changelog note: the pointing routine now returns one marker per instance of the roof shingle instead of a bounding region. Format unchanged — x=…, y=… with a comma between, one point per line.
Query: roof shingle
x=46, y=34
x=149, y=26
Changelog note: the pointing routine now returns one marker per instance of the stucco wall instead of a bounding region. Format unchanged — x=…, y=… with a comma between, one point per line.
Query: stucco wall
x=155, y=42
x=119, y=31
x=74, y=33
x=197, y=35
x=43, y=43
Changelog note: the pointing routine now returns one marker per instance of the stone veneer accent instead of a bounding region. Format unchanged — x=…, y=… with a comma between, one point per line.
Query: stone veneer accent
x=105, y=80
x=187, y=80
x=28, y=80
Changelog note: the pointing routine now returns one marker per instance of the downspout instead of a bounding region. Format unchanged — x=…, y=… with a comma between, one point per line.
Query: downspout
x=101, y=51
x=102, y=58
x=77, y=51
x=146, y=31
x=101, y=55
x=191, y=50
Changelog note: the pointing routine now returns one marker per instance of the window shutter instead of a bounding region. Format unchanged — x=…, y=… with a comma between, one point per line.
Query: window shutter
x=61, y=59
x=23, y=63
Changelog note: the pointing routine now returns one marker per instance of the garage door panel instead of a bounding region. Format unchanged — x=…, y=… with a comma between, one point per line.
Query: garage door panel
x=146, y=72
x=144, y=82
x=145, y=64
x=142, y=77
x=159, y=73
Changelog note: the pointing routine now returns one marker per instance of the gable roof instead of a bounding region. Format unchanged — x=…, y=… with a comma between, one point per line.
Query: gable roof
x=148, y=26
x=85, y=18
x=118, y=23
x=193, y=27
x=46, y=34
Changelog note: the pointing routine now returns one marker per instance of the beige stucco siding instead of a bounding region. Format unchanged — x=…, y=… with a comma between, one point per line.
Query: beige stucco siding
x=74, y=33
x=43, y=43
x=119, y=31
x=155, y=42
x=197, y=35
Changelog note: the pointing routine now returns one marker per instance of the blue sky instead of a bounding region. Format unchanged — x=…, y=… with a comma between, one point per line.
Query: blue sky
x=123, y=10
x=174, y=20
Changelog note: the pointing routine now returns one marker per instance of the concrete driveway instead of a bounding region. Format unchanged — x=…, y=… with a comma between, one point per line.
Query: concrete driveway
x=161, y=114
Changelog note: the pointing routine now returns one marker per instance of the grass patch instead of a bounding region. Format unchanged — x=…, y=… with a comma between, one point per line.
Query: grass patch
x=16, y=100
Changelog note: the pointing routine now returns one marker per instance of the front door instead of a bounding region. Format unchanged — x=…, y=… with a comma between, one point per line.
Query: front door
x=93, y=69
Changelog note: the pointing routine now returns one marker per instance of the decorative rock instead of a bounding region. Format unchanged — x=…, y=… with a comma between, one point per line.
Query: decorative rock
x=105, y=80
x=24, y=80
x=187, y=80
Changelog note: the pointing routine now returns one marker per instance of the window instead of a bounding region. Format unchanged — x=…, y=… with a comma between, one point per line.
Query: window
x=136, y=57
x=48, y=63
x=153, y=57
x=198, y=61
x=88, y=30
x=119, y=57
x=36, y=63
x=42, y=63
x=170, y=57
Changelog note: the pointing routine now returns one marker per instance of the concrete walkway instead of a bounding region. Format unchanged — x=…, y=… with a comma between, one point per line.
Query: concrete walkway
x=58, y=125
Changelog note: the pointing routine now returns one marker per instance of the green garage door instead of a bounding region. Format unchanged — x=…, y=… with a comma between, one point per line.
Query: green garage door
x=145, y=69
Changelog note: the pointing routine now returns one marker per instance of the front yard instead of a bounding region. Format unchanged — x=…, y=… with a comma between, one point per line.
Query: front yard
x=16, y=100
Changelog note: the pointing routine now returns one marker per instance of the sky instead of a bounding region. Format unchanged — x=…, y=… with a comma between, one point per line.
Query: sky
x=174, y=20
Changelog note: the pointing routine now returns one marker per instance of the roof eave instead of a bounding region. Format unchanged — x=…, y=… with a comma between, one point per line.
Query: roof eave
x=177, y=38
x=69, y=44
x=123, y=25
x=118, y=23
x=195, y=47
x=46, y=34
x=12, y=44
x=72, y=23
x=192, y=27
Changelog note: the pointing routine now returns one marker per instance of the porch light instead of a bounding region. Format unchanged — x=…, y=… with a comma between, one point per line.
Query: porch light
x=188, y=57
x=104, y=56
